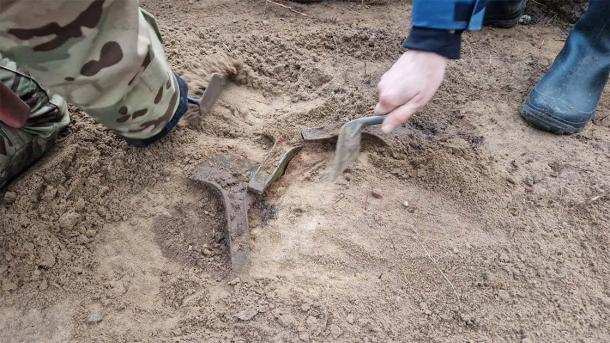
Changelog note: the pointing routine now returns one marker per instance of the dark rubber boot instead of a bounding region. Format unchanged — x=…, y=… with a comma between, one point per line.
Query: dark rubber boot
x=183, y=88
x=504, y=13
x=567, y=96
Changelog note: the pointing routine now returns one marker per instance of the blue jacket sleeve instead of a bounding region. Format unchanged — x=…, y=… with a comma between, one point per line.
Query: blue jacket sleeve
x=438, y=24
x=447, y=43
x=463, y=15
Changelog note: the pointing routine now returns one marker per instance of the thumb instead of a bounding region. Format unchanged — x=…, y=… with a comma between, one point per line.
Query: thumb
x=398, y=117
x=382, y=108
x=387, y=102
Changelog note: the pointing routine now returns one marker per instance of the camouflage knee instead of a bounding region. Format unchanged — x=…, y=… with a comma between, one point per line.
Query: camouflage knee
x=103, y=56
x=19, y=148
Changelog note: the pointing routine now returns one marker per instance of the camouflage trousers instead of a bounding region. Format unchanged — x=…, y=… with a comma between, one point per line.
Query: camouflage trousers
x=103, y=56
x=48, y=115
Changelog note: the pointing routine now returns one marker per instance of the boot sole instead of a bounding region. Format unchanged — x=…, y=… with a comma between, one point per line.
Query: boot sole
x=545, y=121
x=506, y=21
x=503, y=23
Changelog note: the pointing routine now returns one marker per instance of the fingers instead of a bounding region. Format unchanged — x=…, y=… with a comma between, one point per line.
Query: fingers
x=381, y=109
x=399, y=116
x=408, y=86
x=385, y=105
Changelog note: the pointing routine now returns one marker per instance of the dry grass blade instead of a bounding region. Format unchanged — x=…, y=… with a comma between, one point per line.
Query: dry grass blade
x=286, y=7
x=438, y=268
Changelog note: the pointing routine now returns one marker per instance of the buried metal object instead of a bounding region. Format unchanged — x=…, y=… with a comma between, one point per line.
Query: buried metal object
x=329, y=133
x=227, y=177
x=274, y=166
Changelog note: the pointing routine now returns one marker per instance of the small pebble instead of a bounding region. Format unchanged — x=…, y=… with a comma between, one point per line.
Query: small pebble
x=234, y=281
x=207, y=252
x=10, y=197
x=425, y=308
x=219, y=236
x=525, y=19
x=335, y=331
x=304, y=336
x=8, y=285
x=68, y=220
x=606, y=302
x=94, y=316
x=47, y=258
x=376, y=193
x=405, y=204
x=504, y=258
x=311, y=321
x=503, y=295
x=247, y=314
x=286, y=320
x=350, y=318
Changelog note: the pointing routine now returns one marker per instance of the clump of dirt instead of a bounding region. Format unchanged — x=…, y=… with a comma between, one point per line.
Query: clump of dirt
x=220, y=63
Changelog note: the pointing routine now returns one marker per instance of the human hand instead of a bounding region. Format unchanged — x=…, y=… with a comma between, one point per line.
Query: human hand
x=408, y=86
x=13, y=111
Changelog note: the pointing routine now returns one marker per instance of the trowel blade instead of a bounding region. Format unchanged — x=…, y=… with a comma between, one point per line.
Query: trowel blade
x=348, y=144
x=348, y=148
x=212, y=93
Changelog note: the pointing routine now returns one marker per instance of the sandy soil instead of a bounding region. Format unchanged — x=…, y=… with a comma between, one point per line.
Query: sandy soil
x=504, y=237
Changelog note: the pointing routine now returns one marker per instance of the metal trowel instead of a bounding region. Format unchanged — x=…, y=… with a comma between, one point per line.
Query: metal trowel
x=348, y=144
x=211, y=94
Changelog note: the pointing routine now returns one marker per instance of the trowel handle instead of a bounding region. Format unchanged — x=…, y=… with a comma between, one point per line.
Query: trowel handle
x=372, y=120
x=193, y=101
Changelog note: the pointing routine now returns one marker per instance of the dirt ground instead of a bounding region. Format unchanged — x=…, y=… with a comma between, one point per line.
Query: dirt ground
x=504, y=236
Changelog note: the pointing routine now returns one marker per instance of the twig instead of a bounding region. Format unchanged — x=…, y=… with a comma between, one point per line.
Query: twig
x=595, y=198
x=287, y=7
x=336, y=47
x=438, y=268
